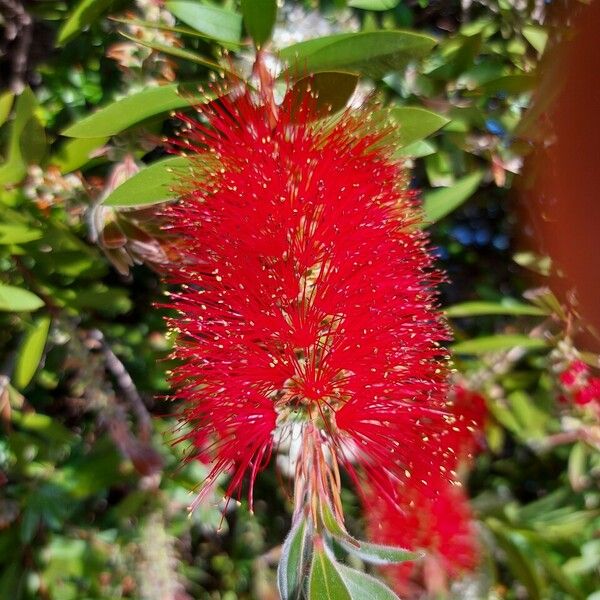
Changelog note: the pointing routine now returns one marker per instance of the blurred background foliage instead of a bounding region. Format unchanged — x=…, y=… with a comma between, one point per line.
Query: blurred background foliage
x=93, y=494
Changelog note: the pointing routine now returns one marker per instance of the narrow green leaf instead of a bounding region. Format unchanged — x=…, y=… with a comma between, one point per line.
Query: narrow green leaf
x=75, y=153
x=124, y=113
x=332, y=90
x=212, y=21
x=18, y=233
x=506, y=307
x=415, y=123
x=509, y=84
x=6, y=102
x=295, y=561
x=362, y=585
x=33, y=142
x=31, y=353
x=372, y=53
x=497, y=343
x=85, y=13
x=439, y=203
x=15, y=166
x=417, y=149
x=325, y=582
x=182, y=53
x=151, y=185
x=577, y=467
x=259, y=19
x=537, y=36
x=188, y=31
x=379, y=554
x=374, y=4
x=16, y=299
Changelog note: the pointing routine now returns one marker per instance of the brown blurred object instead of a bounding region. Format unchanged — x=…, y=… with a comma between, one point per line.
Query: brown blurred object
x=565, y=167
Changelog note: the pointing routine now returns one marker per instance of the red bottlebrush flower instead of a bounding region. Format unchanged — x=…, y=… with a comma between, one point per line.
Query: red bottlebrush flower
x=470, y=411
x=305, y=297
x=435, y=518
x=581, y=387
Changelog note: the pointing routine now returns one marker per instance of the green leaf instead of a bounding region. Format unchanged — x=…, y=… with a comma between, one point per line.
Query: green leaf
x=85, y=13
x=509, y=84
x=75, y=153
x=332, y=90
x=439, y=203
x=31, y=352
x=259, y=19
x=325, y=582
x=33, y=142
x=379, y=554
x=214, y=22
x=506, y=307
x=362, y=585
x=294, y=564
x=417, y=149
x=537, y=36
x=18, y=233
x=151, y=185
x=15, y=165
x=416, y=123
x=497, y=343
x=374, y=4
x=17, y=299
x=577, y=467
x=6, y=102
x=182, y=53
x=372, y=53
x=124, y=113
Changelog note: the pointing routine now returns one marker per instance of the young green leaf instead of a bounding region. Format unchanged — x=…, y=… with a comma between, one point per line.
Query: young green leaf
x=124, y=113
x=362, y=585
x=439, y=203
x=295, y=561
x=259, y=19
x=212, y=21
x=31, y=353
x=415, y=123
x=17, y=299
x=18, y=233
x=325, y=582
x=497, y=343
x=374, y=4
x=75, y=153
x=379, y=554
x=188, y=55
x=6, y=102
x=372, y=53
x=151, y=185
x=85, y=13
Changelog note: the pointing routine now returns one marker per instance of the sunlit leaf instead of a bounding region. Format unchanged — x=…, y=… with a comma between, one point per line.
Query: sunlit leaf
x=373, y=4
x=215, y=22
x=16, y=299
x=415, y=123
x=439, y=203
x=379, y=554
x=478, y=308
x=74, y=154
x=373, y=53
x=31, y=352
x=497, y=343
x=85, y=13
x=150, y=185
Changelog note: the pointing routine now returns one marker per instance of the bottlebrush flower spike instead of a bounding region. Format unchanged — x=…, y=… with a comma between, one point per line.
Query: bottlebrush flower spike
x=305, y=297
x=437, y=519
